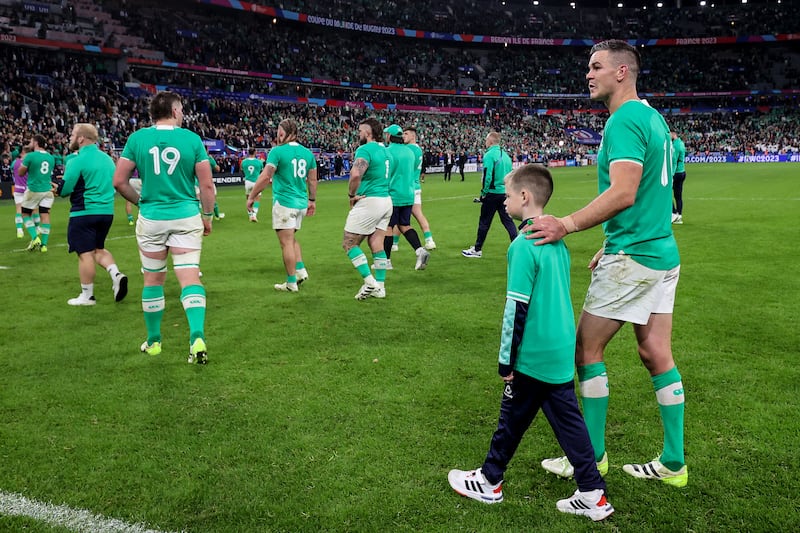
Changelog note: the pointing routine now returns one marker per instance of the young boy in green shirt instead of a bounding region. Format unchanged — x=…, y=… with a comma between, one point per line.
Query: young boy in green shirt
x=537, y=359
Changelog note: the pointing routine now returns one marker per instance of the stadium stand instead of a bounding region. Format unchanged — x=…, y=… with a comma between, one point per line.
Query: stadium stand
x=46, y=92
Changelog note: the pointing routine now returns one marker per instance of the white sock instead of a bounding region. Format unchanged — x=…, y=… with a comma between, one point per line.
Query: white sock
x=113, y=271
x=87, y=290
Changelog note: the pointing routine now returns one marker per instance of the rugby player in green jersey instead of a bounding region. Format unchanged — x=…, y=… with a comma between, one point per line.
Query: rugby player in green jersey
x=635, y=274
x=370, y=208
x=38, y=165
x=402, y=174
x=252, y=167
x=215, y=168
x=170, y=159
x=410, y=138
x=292, y=170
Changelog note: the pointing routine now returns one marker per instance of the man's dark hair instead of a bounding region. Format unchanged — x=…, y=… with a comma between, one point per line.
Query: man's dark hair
x=161, y=105
x=375, y=126
x=40, y=140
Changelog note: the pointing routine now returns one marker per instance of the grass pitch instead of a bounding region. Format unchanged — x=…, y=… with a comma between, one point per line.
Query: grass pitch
x=321, y=413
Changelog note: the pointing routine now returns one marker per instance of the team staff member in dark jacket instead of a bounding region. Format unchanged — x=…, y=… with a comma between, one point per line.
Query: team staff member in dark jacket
x=88, y=182
x=496, y=165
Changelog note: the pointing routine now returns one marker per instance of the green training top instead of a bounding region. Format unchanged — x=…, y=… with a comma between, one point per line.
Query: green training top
x=40, y=170
x=292, y=161
x=375, y=181
x=166, y=157
x=538, y=334
x=636, y=132
x=252, y=167
x=89, y=180
x=679, y=151
x=401, y=174
x=496, y=165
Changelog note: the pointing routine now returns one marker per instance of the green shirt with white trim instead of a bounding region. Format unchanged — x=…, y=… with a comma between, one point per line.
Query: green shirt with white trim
x=538, y=333
x=252, y=167
x=291, y=161
x=638, y=133
x=375, y=181
x=40, y=166
x=166, y=157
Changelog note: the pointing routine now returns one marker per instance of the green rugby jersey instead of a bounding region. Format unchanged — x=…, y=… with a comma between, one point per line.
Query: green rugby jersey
x=496, y=164
x=165, y=157
x=636, y=132
x=40, y=170
x=538, y=305
x=401, y=174
x=375, y=181
x=252, y=167
x=292, y=161
x=418, y=159
x=88, y=179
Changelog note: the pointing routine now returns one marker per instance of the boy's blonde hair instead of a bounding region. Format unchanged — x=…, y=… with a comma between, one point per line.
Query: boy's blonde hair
x=536, y=179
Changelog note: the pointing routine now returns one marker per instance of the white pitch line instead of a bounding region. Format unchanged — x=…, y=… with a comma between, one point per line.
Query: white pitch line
x=79, y=520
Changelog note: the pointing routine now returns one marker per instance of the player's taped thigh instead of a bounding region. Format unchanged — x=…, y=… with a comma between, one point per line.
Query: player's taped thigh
x=153, y=265
x=189, y=259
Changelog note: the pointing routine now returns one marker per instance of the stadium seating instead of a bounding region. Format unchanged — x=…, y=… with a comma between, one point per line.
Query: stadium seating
x=47, y=92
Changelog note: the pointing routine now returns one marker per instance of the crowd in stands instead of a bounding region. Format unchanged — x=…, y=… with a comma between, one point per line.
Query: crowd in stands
x=46, y=92
x=522, y=18
x=220, y=37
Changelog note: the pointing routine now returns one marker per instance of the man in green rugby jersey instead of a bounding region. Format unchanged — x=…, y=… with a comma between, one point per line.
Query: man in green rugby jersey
x=38, y=165
x=401, y=190
x=292, y=170
x=635, y=274
x=170, y=159
x=410, y=138
x=252, y=167
x=370, y=208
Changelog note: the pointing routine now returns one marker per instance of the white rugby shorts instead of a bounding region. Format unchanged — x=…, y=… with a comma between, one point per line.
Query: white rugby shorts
x=622, y=289
x=287, y=217
x=157, y=235
x=369, y=214
x=32, y=200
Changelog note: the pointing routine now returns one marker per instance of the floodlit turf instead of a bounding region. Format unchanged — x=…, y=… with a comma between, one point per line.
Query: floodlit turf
x=317, y=412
